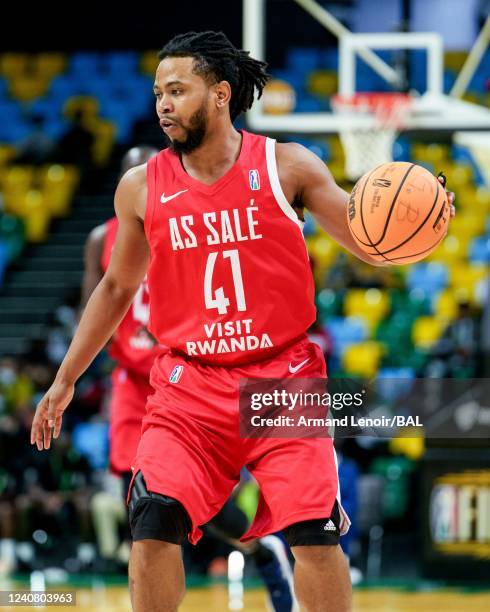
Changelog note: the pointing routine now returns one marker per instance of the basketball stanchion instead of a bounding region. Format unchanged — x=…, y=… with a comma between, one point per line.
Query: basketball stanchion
x=398, y=213
x=368, y=139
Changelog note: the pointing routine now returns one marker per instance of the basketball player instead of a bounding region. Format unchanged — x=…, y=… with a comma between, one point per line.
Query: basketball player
x=134, y=349
x=213, y=220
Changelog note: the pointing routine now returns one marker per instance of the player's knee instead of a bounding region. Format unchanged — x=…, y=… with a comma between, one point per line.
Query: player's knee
x=317, y=556
x=156, y=517
x=316, y=532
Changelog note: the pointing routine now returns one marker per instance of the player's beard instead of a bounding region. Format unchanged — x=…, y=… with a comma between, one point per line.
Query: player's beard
x=195, y=132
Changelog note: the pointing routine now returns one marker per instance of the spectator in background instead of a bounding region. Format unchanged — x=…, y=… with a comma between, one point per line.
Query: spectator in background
x=76, y=144
x=38, y=147
x=455, y=353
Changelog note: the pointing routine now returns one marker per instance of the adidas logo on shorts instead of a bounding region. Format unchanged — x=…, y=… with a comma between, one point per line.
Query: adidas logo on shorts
x=329, y=526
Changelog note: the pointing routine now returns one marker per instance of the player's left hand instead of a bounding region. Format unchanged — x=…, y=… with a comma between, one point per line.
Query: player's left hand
x=450, y=195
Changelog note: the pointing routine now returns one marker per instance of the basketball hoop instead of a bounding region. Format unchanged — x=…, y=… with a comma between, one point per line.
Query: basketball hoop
x=369, y=143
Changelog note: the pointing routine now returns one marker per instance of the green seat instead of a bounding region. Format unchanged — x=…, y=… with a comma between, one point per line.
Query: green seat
x=12, y=233
x=329, y=304
x=396, y=472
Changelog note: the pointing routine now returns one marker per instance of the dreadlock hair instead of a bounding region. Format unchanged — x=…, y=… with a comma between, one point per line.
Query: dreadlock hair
x=216, y=59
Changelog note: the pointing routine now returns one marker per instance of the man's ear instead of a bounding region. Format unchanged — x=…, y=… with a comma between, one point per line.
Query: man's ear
x=223, y=94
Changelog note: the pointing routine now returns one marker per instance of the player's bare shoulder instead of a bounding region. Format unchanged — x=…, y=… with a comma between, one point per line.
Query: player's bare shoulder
x=131, y=191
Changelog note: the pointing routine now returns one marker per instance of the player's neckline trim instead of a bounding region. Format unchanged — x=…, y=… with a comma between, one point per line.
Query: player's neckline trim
x=219, y=183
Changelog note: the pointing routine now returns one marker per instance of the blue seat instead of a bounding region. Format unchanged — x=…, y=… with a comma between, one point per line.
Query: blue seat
x=3, y=88
x=14, y=131
x=120, y=63
x=64, y=87
x=449, y=79
x=4, y=256
x=55, y=127
x=48, y=108
x=319, y=147
x=310, y=225
x=429, y=277
x=85, y=63
x=305, y=59
x=329, y=59
x=295, y=78
x=308, y=104
x=401, y=149
x=462, y=155
x=418, y=69
x=98, y=86
x=10, y=111
x=345, y=331
x=91, y=440
x=119, y=114
x=394, y=382
x=480, y=249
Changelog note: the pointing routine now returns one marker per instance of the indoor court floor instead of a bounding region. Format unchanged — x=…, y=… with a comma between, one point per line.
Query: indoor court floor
x=214, y=598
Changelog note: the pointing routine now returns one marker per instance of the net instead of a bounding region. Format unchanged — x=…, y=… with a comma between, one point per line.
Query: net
x=369, y=144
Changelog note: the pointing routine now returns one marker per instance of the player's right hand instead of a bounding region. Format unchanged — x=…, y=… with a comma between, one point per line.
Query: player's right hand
x=49, y=413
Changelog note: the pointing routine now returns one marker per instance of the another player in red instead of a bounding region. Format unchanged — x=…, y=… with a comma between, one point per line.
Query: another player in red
x=213, y=222
x=132, y=347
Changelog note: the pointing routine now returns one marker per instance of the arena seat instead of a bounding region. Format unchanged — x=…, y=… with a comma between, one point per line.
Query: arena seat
x=445, y=305
x=328, y=303
x=362, y=359
x=372, y=305
x=480, y=250
x=426, y=331
x=430, y=277
x=149, y=62
x=49, y=65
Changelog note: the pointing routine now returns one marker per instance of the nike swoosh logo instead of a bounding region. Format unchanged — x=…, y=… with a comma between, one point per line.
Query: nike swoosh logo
x=294, y=369
x=164, y=199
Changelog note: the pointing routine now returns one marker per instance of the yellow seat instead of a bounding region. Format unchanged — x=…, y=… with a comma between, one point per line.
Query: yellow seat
x=363, y=359
x=446, y=306
x=482, y=201
x=14, y=200
x=149, y=62
x=13, y=64
x=468, y=224
x=464, y=279
x=28, y=87
x=86, y=105
x=49, y=65
x=323, y=249
x=432, y=153
x=104, y=132
x=454, y=60
x=58, y=184
x=452, y=249
x=458, y=176
x=36, y=217
x=372, y=305
x=18, y=177
x=426, y=331
x=323, y=82
x=7, y=152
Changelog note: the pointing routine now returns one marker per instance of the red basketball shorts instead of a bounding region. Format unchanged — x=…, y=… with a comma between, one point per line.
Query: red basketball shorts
x=191, y=449
x=130, y=391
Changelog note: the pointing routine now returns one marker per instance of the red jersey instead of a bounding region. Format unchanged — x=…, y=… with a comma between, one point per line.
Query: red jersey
x=132, y=347
x=229, y=277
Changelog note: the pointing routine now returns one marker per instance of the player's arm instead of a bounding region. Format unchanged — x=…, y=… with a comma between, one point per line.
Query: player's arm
x=92, y=273
x=306, y=181
x=105, y=308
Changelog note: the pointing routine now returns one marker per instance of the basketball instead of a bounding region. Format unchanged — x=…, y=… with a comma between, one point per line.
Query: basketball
x=398, y=212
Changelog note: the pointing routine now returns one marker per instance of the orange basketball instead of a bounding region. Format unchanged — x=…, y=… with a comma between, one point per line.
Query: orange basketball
x=398, y=212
